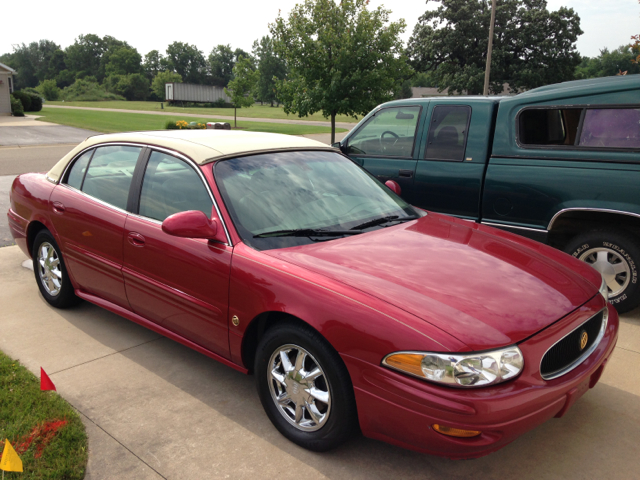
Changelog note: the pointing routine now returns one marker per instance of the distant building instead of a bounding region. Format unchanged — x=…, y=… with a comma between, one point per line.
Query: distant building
x=6, y=89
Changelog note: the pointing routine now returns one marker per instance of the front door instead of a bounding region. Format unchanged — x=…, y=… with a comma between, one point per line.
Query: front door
x=385, y=146
x=180, y=283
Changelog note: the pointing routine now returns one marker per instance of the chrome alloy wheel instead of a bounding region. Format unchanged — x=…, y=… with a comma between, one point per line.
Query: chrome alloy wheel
x=299, y=388
x=612, y=266
x=49, y=269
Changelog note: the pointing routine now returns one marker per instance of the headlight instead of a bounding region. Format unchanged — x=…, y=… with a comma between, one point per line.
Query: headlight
x=460, y=370
x=604, y=290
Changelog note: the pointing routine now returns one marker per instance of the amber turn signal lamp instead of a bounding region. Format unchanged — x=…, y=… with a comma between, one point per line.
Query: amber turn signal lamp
x=455, y=432
x=407, y=362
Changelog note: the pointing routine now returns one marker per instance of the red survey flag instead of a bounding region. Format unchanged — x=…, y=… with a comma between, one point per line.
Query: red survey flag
x=45, y=381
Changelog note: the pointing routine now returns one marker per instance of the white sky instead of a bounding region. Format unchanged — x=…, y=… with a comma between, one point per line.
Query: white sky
x=152, y=25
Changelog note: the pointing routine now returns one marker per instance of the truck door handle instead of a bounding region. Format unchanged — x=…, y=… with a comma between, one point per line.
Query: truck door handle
x=406, y=173
x=58, y=208
x=135, y=239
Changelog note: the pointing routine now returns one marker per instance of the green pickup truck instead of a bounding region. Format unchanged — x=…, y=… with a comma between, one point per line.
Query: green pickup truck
x=559, y=164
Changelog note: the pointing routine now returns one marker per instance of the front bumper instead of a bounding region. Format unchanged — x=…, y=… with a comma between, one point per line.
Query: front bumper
x=399, y=409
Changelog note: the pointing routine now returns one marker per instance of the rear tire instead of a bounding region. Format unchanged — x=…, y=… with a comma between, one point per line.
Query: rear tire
x=616, y=255
x=304, y=387
x=50, y=271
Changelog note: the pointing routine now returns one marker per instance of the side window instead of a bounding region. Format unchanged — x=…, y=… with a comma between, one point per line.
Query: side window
x=78, y=169
x=391, y=132
x=109, y=174
x=170, y=186
x=611, y=127
x=448, y=133
x=548, y=126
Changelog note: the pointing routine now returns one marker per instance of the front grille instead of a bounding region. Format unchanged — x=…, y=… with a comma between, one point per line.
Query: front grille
x=567, y=354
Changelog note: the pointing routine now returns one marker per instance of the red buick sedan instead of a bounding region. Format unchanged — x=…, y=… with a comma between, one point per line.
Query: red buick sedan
x=278, y=256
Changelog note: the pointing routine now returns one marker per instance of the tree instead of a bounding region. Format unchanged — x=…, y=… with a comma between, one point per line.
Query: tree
x=187, y=61
x=270, y=69
x=608, y=63
x=133, y=86
x=635, y=47
x=31, y=61
x=153, y=64
x=241, y=87
x=221, y=63
x=532, y=46
x=157, y=86
x=342, y=58
x=123, y=61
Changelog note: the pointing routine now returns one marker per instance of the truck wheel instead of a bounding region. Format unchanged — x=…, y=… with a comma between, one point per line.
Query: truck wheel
x=616, y=256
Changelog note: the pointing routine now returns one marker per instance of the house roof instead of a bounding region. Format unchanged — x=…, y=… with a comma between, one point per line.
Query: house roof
x=202, y=146
x=9, y=69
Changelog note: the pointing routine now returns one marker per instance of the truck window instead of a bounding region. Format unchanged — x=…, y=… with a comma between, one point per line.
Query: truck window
x=448, y=133
x=390, y=132
x=548, y=126
x=611, y=127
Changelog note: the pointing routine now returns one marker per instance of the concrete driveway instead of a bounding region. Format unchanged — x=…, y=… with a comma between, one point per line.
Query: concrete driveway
x=155, y=409
x=22, y=131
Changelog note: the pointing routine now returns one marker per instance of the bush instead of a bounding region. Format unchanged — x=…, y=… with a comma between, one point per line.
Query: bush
x=16, y=107
x=88, y=91
x=36, y=103
x=184, y=125
x=49, y=89
x=25, y=100
x=133, y=86
x=171, y=125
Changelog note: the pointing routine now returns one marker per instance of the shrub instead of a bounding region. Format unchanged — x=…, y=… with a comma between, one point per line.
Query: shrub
x=16, y=107
x=132, y=86
x=49, y=89
x=25, y=100
x=171, y=125
x=184, y=125
x=88, y=91
x=36, y=102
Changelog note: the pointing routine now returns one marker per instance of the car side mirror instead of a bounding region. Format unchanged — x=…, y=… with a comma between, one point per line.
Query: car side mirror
x=393, y=186
x=194, y=224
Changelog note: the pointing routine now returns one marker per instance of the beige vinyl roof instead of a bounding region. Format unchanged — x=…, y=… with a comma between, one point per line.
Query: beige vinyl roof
x=200, y=145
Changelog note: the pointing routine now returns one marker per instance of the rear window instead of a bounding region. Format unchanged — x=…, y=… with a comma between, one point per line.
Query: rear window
x=592, y=128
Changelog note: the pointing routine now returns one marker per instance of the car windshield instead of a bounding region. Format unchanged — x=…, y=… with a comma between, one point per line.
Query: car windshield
x=285, y=199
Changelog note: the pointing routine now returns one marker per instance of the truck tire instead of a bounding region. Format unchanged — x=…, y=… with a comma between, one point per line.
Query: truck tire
x=616, y=255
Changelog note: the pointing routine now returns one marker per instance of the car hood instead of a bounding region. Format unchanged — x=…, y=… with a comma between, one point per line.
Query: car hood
x=486, y=290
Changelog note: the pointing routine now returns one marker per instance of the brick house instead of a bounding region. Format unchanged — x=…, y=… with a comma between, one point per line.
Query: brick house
x=6, y=88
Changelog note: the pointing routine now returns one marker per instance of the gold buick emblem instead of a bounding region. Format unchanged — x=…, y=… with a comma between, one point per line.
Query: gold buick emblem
x=584, y=338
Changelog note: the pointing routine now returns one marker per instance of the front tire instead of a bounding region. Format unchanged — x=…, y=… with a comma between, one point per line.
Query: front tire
x=50, y=271
x=304, y=387
x=616, y=255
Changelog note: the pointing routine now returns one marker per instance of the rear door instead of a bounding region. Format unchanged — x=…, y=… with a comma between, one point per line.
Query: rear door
x=386, y=145
x=89, y=214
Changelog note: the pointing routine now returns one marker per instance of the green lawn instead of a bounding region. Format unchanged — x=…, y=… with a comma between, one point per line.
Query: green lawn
x=256, y=111
x=112, y=122
x=24, y=408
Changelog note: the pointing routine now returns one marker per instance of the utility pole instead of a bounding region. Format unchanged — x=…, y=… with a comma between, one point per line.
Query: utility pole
x=487, y=70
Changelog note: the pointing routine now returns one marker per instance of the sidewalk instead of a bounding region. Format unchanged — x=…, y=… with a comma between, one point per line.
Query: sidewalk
x=156, y=409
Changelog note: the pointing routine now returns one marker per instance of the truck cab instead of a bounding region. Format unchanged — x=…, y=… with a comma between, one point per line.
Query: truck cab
x=559, y=164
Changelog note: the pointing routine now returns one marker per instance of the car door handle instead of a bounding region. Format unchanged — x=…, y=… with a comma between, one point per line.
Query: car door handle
x=135, y=239
x=58, y=208
x=405, y=173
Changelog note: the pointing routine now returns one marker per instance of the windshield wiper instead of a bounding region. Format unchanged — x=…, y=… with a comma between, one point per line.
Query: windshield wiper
x=381, y=220
x=307, y=232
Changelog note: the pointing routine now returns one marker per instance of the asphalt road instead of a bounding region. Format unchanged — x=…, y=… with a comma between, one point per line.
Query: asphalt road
x=42, y=135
